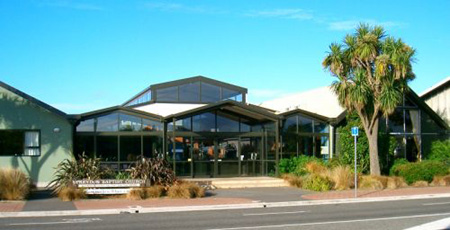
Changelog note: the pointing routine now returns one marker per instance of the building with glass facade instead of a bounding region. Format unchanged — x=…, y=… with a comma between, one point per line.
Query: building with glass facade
x=206, y=128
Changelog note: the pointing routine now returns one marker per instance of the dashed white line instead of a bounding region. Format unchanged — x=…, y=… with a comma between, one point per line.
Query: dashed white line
x=271, y=213
x=441, y=203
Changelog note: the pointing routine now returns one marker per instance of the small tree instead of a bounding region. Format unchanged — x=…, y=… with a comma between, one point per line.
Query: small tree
x=372, y=73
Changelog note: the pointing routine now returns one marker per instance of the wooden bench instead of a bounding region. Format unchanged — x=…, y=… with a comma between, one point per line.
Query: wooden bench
x=108, y=187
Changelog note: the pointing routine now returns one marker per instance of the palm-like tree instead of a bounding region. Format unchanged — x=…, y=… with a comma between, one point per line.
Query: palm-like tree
x=372, y=72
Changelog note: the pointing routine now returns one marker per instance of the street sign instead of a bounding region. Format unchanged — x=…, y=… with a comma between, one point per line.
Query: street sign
x=355, y=131
x=355, y=134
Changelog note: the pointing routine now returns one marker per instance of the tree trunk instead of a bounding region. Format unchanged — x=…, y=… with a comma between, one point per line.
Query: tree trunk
x=372, y=137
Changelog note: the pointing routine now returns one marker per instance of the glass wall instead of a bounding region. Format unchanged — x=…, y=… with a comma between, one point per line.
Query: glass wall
x=119, y=139
x=413, y=129
x=197, y=92
x=302, y=135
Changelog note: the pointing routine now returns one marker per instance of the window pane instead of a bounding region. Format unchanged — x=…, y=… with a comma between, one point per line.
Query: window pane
x=129, y=123
x=107, y=148
x=227, y=123
x=167, y=94
x=210, y=93
x=412, y=121
x=11, y=142
x=86, y=126
x=130, y=148
x=152, y=146
x=320, y=127
x=32, y=152
x=108, y=123
x=304, y=125
x=84, y=144
x=190, y=92
x=183, y=125
x=204, y=122
x=31, y=139
x=305, y=146
x=229, y=94
x=396, y=121
x=151, y=125
x=290, y=125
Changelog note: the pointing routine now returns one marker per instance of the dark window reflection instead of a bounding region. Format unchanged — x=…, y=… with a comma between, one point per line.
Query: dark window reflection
x=229, y=94
x=152, y=146
x=108, y=123
x=210, y=93
x=86, y=126
x=84, y=144
x=129, y=123
x=227, y=123
x=11, y=142
x=204, y=122
x=167, y=94
x=107, y=148
x=190, y=92
x=130, y=148
x=304, y=125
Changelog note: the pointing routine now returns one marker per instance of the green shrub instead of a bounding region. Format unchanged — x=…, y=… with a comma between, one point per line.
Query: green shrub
x=316, y=182
x=440, y=151
x=122, y=176
x=425, y=170
x=14, y=184
x=396, y=164
x=154, y=171
x=296, y=165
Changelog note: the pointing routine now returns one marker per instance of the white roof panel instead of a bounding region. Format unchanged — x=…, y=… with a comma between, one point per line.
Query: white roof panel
x=322, y=101
x=166, y=109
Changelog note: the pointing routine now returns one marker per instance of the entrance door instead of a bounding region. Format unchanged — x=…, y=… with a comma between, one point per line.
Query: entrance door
x=251, y=149
x=203, y=151
x=227, y=157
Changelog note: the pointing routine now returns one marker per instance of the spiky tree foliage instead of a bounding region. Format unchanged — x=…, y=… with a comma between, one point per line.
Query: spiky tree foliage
x=372, y=72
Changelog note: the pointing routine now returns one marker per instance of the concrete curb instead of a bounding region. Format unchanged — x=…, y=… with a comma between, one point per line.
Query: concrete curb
x=138, y=209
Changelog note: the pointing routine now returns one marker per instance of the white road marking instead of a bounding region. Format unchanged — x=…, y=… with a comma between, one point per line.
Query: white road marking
x=435, y=225
x=335, y=222
x=270, y=213
x=436, y=203
x=64, y=221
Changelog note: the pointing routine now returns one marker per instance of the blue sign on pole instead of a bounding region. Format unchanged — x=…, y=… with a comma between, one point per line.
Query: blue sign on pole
x=355, y=131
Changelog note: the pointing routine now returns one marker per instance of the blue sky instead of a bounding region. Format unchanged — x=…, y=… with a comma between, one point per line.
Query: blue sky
x=85, y=55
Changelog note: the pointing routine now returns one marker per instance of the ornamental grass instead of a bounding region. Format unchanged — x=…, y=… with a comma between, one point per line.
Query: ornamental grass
x=14, y=184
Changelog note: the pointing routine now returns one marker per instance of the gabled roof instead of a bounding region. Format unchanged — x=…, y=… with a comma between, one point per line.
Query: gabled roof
x=428, y=92
x=33, y=100
x=188, y=80
x=320, y=101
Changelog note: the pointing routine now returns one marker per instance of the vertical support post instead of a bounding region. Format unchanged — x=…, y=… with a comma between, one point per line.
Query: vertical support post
x=174, y=146
x=277, y=144
x=356, y=172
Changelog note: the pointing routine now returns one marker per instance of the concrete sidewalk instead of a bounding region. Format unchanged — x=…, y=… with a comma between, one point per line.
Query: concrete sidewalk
x=216, y=199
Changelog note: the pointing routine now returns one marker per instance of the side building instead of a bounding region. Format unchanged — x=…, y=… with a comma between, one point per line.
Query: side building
x=438, y=98
x=34, y=136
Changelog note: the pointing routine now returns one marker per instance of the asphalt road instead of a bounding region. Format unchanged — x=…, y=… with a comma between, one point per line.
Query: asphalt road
x=375, y=215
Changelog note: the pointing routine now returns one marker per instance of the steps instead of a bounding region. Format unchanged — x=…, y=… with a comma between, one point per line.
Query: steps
x=239, y=182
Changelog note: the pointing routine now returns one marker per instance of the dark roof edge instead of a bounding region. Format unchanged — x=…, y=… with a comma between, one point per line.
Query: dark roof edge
x=252, y=108
x=199, y=78
x=314, y=115
x=115, y=108
x=34, y=100
x=421, y=103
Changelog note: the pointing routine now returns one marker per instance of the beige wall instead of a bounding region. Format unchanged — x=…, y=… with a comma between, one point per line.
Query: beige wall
x=440, y=103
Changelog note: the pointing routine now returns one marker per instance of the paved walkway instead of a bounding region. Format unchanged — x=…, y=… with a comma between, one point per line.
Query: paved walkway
x=44, y=201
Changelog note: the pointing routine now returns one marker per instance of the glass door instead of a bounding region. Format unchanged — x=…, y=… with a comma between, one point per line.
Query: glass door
x=203, y=155
x=251, y=150
x=227, y=157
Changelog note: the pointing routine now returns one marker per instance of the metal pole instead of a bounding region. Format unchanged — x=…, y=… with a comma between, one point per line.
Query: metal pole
x=356, y=173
